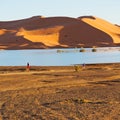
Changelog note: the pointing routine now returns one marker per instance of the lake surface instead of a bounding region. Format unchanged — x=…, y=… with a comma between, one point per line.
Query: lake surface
x=59, y=57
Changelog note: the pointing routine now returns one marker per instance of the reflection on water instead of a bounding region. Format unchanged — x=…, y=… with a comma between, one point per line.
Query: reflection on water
x=53, y=57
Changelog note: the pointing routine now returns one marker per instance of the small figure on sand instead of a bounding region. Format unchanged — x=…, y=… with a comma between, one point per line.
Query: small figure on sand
x=83, y=65
x=28, y=66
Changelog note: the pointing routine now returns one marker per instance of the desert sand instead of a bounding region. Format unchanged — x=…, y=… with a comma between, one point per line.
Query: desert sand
x=56, y=32
x=60, y=93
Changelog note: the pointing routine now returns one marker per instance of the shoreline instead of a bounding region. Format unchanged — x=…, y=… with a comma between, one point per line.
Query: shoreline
x=93, y=64
x=5, y=70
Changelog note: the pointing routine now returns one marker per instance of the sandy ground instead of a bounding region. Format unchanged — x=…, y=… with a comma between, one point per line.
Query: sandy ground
x=60, y=93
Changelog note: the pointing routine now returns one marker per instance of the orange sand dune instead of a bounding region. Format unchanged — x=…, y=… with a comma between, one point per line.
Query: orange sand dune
x=112, y=30
x=54, y=32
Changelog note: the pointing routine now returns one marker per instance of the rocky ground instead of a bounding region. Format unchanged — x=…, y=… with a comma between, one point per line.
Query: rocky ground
x=60, y=93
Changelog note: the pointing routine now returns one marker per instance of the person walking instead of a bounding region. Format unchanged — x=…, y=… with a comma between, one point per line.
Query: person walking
x=28, y=66
x=83, y=65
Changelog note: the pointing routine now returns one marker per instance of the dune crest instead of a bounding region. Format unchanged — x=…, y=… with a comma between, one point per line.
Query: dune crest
x=47, y=36
x=109, y=28
x=54, y=32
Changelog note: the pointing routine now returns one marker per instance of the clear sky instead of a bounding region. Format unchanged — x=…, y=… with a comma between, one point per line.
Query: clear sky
x=19, y=9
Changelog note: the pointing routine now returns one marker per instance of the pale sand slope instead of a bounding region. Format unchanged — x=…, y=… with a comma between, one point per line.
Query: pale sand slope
x=112, y=30
x=54, y=32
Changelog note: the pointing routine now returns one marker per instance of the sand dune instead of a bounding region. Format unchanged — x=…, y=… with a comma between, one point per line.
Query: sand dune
x=54, y=32
x=112, y=30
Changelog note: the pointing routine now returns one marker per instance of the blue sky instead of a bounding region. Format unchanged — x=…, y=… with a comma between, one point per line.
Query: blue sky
x=19, y=9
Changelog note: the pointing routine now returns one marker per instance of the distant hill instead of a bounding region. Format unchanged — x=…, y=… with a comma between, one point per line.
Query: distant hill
x=58, y=32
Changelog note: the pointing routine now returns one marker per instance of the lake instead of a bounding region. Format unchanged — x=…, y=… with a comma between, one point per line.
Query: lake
x=59, y=57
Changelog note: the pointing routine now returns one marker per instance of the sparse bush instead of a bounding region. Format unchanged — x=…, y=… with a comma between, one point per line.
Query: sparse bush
x=77, y=68
x=79, y=101
x=94, y=49
x=82, y=49
x=59, y=51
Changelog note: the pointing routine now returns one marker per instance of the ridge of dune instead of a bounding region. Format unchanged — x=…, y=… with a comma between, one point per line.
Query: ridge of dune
x=105, y=26
x=54, y=32
x=47, y=36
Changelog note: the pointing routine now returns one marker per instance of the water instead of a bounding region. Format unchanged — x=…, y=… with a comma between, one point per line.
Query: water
x=59, y=57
